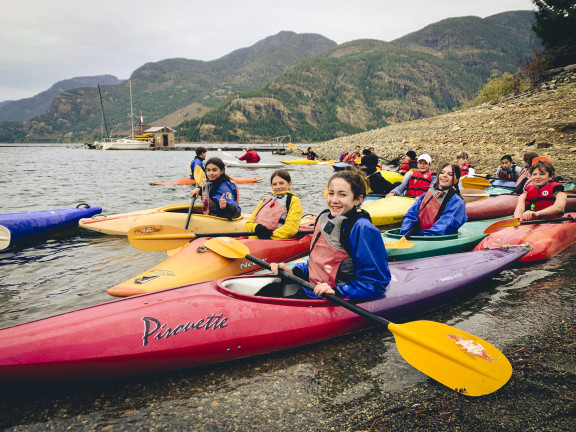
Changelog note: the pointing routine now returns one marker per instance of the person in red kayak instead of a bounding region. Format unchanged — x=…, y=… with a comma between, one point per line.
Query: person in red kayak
x=347, y=253
x=310, y=155
x=441, y=210
x=279, y=215
x=417, y=182
x=543, y=198
x=250, y=156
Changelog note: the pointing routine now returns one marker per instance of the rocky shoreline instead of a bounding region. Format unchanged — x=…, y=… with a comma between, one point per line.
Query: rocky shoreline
x=542, y=120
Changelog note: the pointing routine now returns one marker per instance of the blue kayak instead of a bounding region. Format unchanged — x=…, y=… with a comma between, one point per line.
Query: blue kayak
x=27, y=226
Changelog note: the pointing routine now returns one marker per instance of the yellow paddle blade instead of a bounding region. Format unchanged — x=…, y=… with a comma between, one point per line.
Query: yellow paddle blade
x=475, y=183
x=199, y=175
x=159, y=237
x=330, y=162
x=452, y=357
x=470, y=195
x=227, y=247
x=358, y=160
x=325, y=193
x=4, y=237
x=497, y=226
x=400, y=244
x=292, y=146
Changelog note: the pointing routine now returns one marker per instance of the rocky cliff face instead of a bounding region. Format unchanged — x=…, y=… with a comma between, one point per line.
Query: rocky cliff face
x=542, y=120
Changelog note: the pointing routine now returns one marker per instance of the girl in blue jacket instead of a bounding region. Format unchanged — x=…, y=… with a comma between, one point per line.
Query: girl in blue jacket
x=219, y=192
x=440, y=210
x=347, y=254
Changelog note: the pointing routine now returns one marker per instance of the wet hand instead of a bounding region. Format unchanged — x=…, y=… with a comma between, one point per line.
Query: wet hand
x=282, y=266
x=323, y=288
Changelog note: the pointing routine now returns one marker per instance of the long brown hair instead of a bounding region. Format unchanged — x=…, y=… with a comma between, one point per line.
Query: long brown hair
x=456, y=174
x=357, y=180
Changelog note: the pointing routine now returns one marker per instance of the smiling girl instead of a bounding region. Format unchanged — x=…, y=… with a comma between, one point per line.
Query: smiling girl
x=219, y=192
x=277, y=216
x=543, y=197
x=440, y=210
x=347, y=255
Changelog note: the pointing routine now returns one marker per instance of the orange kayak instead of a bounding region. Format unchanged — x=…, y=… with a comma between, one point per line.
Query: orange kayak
x=545, y=239
x=189, y=181
x=195, y=263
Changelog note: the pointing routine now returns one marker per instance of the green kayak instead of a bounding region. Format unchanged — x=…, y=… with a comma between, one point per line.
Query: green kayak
x=468, y=236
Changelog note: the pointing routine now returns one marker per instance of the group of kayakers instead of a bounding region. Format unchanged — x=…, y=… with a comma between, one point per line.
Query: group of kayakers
x=347, y=254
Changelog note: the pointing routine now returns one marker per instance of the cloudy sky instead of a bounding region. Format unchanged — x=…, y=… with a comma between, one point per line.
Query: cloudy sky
x=45, y=41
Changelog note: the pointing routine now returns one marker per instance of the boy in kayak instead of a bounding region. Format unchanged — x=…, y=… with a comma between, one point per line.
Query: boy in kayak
x=351, y=158
x=219, y=192
x=508, y=170
x=417, y=182
x=310, y=155
x=441, y=210
x=408, y=163
x=198, y=160
x=543, y=198
x=250, y=156
x=279, y=215
x=343, y=155
x=347, y=254
x=466, y=169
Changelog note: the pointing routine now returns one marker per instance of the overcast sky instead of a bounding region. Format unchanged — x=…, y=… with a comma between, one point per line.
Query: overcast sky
x=45, y=41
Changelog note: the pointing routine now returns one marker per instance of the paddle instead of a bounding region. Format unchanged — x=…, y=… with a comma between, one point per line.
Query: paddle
x=497, y=226
x=292, y=146
x=166, y=237
x=453, y=357
x=475, y=183
x=4, y=237
x=470, y=195
x=199, y=178
x=228, y=154
x=403, y=243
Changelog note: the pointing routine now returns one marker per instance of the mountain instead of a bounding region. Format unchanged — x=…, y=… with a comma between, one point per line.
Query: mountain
x=303, y=85
x=179, y=86
x=25, y=109
x=367, y=84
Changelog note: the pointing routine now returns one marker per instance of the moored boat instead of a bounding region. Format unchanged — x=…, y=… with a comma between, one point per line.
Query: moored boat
x=28, y=226
x=545, y=239
x=174, y=214
x=219, y=321
x=194, y=263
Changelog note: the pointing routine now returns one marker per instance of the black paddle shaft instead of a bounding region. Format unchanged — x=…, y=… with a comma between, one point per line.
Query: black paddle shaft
x=540, y=221
x=341, y=302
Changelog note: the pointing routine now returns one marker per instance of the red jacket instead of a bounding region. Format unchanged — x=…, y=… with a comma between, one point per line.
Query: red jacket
x=250, y=157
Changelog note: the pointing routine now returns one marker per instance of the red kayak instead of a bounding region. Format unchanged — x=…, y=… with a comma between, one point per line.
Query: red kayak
x=222, y=320
x=189, y=181
x=545, y=239
x=501, y=206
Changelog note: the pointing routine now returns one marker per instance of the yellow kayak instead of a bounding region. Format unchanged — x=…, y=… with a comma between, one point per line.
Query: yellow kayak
x=387, y=211
x=392, y=176
x=175, y=215
x=305, y=162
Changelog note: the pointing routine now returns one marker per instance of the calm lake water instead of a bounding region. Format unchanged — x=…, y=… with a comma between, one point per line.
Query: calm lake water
x=311, y=388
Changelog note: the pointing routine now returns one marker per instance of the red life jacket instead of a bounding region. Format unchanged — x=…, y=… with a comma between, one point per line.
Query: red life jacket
x=432, y=207
x=539, y=199
x=273, y=211
x=407, y=166
x=465, y=169
x=419, y=183
x=330, y=261
x=510, y=175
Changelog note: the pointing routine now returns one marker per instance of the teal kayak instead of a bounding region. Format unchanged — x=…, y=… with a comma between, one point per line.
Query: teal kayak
x=468, y=236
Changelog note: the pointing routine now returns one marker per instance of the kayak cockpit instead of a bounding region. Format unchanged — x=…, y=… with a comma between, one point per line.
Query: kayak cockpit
x=395, y=234
x=262, y=288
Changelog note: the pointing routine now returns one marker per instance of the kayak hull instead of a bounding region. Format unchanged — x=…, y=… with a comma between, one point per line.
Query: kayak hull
x=303, y=162
x=468, y=236
x=28, y=226
x=387, y=211
x=546, y=240
x=501, y=206
x=194, y=263
x=219, y=321
x=175, y=215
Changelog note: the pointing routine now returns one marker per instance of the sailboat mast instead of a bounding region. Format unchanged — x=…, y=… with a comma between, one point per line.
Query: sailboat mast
x=103, y=116
x=131, y=110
